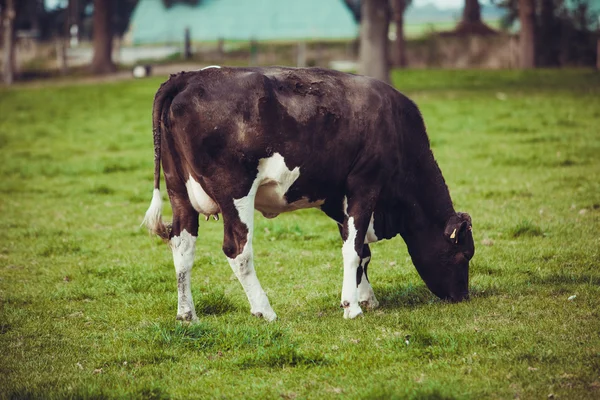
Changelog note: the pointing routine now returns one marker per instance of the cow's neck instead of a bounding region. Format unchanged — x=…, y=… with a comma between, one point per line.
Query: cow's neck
x=420, y=200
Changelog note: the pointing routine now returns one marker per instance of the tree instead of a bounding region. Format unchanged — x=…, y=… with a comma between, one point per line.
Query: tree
x=527, y=35
x=471, y=22
x=354, y=7
x=103, y=36
x=8, y=21
x=373, y=56
x=553, y=32
x=398, y=9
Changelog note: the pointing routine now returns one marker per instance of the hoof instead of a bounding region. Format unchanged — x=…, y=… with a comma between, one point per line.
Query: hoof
x=370, y=304
x=187, y=317
x=351, y=311
x=266, y=315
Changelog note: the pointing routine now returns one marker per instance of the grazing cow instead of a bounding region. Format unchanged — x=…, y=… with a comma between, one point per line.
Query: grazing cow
x=232, y=140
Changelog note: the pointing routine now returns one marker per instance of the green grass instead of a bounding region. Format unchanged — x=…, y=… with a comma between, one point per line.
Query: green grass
x=88, y=299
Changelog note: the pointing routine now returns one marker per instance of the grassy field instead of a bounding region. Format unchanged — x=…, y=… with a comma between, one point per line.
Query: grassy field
x=88, y=299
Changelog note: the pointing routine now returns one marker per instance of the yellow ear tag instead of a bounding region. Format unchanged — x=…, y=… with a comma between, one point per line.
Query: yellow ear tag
x=453, y=234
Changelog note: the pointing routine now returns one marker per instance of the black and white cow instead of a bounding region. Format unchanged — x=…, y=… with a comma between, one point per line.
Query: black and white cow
x=232, y=140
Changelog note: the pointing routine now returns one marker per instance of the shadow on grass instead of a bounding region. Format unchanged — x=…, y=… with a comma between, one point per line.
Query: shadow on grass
x=525, y=228
x=214, y=303
x=49, y=392
x=282, y=356
x=419, y=394
x=416, y=296
x=153, y=393
x=562, y=278
x=398, y=296
x=204, y=336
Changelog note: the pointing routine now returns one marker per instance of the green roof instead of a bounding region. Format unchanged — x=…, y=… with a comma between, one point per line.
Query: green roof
x=211, y=20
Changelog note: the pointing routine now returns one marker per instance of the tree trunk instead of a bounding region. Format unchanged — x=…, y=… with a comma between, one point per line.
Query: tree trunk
x=527, y=35
x=102, y=61
x=472, y=11
x=374, y=39
x=398, y=8
x=548, y=38
x=8, y=20
x=471, y=23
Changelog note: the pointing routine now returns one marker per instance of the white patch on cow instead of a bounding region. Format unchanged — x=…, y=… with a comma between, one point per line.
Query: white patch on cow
x=345, y=206
x=370, y=237
x=183, y=257
x=274, y=180
x=366, y=296
x=243, y=264
x=199, y=199
x=210, y=66
x=267, y=195
x=153, y=217
x=351, y=262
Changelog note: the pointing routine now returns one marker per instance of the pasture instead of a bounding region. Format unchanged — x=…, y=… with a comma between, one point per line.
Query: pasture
x=88, y=300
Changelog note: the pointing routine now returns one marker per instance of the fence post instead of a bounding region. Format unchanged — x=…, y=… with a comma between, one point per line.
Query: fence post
x=253, y=52
x=301, y=54
x=187, y=50
x=220, y=49
x=61, y=54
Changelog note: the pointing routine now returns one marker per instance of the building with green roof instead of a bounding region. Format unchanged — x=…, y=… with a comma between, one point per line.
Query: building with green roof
x=210, y=20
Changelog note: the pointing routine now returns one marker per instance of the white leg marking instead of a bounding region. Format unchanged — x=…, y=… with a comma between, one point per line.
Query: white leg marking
x=366, y=296
x=370, y=237
x=210, y=66
x=267, y=194
x=243, y=264
x=351, y=262
x=183, y=257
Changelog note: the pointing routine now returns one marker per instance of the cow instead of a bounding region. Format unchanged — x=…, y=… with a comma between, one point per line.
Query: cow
x=232, y=140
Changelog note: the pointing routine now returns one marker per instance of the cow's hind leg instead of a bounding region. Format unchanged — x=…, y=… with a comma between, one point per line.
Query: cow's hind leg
x=238, y=220
x=366, y=296
x=183, y=241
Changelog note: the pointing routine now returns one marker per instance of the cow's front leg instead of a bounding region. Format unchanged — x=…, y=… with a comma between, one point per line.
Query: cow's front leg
x=238, y=220
x=183, y=242
x=366, y=296
x=353, y=234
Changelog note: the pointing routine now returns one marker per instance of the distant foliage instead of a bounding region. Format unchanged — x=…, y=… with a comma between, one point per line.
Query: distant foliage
x=566, y=32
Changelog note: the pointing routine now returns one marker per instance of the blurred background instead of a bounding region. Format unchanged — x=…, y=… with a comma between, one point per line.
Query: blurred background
x=49, y=38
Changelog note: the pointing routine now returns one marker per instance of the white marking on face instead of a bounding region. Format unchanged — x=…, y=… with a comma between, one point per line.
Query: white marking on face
x=210, y=66
x=370, y=237
x=199, y=199
x=183, y=258
x=351, y=262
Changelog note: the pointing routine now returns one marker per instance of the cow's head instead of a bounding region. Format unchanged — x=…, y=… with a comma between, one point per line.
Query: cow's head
x=442, y=257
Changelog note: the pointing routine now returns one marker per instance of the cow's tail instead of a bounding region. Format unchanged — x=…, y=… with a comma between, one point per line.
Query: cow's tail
x=160, y=111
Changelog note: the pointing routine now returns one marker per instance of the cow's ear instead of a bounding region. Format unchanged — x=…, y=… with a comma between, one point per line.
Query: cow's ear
x=457, y=227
